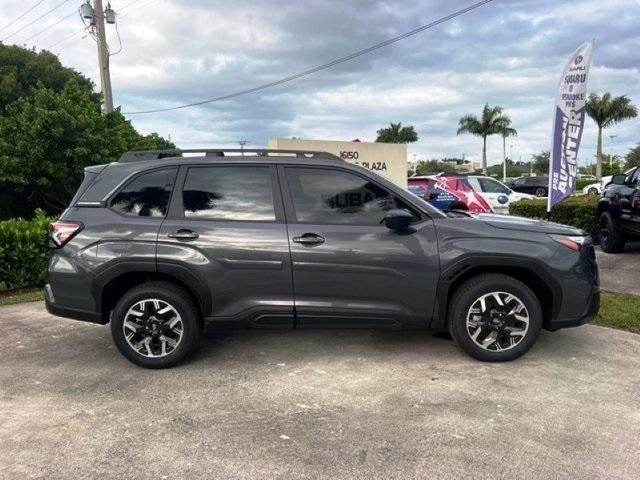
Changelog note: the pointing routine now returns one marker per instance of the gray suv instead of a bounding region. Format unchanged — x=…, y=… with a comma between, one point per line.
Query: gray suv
x=161, y=243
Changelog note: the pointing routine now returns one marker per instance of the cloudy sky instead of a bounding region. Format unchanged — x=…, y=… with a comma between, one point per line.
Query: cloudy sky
x=509, y=53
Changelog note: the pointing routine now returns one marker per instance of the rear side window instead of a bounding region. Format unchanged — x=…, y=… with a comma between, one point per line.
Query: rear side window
x=489, y=185
x=229, y=193
x=147, y=195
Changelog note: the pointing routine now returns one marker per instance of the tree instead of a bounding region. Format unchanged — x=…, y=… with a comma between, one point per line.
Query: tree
x=396, y=133
x=492, y=122
x=632, y=159
x=48, y=138
x=21, y=70
x=50, y=129
x=607, y=111
x=424, y=167
x=541, y=162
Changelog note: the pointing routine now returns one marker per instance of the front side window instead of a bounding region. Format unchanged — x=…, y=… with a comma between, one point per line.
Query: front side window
x=147, y=195
x=489, y=185
x=635, y=178
x=229, y=193
x=336, y=197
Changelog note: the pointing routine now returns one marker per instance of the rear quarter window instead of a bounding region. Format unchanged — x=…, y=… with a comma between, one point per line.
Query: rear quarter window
x=146, y=195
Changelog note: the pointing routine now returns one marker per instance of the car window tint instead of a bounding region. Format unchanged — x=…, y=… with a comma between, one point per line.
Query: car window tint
x=229, y=193
x=331, y=196
x=147, y=195
x=636, y=176
x=489, y=185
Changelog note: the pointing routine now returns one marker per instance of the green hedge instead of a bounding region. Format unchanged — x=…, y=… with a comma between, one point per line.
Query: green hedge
x=579, y=211
x=23, y=251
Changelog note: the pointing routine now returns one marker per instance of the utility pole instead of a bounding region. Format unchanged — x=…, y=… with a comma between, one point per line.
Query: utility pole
x=504, y=158
x=103, y=56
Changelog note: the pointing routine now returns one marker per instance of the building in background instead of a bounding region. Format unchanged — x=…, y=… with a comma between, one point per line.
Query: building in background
x=386, y=159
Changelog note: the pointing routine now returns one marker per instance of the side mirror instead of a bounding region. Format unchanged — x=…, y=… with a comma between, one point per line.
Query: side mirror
x=619, y=179
x=398, y=220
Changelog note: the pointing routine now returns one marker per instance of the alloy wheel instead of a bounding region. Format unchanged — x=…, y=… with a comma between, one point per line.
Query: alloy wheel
x=153, y=328
x=497, y=321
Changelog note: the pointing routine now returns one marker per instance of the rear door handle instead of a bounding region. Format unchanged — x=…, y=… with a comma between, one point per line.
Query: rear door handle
x=184, y=234
x=309, y=239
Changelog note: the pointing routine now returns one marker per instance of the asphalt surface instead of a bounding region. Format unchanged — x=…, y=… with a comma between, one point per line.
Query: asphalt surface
x=260, y=404
x=620, y=272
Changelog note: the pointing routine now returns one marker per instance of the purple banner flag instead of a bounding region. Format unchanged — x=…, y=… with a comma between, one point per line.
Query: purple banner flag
x=568, y=122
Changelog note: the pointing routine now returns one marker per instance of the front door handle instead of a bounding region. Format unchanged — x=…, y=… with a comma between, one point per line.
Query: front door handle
x=309, y=239
x=184, y=234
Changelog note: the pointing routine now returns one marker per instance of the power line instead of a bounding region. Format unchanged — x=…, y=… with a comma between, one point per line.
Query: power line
x=39, y=18
x=324, y=66
x=64, y=39
x=16, y=19
x=50, y=26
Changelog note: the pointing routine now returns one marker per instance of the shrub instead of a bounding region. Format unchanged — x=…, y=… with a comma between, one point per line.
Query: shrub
x=580, y=212
x=23, y=251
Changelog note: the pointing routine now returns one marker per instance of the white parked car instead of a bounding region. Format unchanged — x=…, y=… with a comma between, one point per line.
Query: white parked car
x=497, y=194
x=596, y=188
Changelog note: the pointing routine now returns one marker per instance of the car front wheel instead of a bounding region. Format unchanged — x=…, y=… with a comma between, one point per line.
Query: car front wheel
x=156, y=325
x=495, y=317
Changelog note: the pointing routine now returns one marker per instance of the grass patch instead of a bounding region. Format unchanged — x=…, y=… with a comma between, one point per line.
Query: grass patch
x=21, y=295
x=619, y=310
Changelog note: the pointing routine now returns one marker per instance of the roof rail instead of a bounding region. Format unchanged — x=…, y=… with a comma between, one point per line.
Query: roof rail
x=138, y=156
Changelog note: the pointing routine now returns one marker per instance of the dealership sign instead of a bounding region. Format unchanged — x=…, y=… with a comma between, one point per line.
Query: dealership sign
x=568, y=123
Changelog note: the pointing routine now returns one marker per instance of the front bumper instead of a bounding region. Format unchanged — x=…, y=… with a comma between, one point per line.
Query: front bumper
x=67, y=312
x=590, y=312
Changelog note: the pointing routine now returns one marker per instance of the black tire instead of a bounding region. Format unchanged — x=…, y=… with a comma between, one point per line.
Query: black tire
x=180, y=300
x=611, y=239
x=470, y=292
x=541, y=192
x=592, y=191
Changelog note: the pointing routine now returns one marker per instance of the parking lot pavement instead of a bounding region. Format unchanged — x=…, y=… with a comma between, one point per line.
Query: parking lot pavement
x=315, y=404
x=619, y=272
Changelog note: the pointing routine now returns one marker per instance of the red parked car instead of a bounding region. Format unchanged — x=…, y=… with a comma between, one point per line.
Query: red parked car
x=446, y=190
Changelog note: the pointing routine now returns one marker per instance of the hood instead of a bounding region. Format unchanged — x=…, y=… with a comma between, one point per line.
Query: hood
x=528, y=224
x=521, y=196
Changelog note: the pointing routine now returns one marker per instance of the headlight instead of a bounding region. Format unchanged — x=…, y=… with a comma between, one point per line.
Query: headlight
x=574, y=243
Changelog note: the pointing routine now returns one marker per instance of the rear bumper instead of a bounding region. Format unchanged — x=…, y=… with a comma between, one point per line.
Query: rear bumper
x=591, y=310
x=67, y=312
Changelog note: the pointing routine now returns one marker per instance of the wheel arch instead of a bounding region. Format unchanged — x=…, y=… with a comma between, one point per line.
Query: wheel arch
x=531, y=274
x=117, y=286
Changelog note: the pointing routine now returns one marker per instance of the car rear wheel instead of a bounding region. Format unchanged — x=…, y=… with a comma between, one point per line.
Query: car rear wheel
x=495, y=318
x=611, y=240
x=592, y=191
x=541, y=192
x=156, y=325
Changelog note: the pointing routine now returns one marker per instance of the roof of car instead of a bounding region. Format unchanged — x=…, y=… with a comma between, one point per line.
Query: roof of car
x=226, y=154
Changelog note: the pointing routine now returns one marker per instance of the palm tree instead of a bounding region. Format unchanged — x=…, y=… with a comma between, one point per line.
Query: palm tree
x=396, y=133
x=607, y=111
x=493, y=122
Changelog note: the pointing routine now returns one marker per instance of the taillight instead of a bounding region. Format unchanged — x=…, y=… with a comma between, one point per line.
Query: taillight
x=61, y=232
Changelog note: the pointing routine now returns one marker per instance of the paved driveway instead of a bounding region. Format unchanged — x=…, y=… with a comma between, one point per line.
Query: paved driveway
x=620, y=272
x=315, y=404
